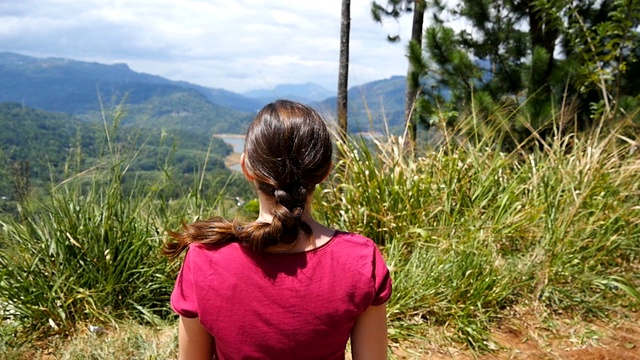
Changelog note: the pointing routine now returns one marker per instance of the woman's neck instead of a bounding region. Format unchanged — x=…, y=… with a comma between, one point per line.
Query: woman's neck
x=320, y=233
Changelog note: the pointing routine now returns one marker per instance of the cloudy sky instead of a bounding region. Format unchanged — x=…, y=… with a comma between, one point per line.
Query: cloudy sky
x=238, y=45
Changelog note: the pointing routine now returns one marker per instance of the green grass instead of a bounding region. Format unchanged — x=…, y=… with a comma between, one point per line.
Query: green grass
x=89, y=251
x=470, y=231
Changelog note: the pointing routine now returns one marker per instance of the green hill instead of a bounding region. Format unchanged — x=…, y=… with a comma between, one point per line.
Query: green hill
x=186, y=111
x=38, y=148
x=373, y=104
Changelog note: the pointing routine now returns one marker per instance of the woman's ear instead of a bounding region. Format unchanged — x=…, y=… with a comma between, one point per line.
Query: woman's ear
x=243, y=165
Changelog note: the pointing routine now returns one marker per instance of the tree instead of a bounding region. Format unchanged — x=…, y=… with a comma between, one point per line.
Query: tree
x=528, y=53
x=603, y=42
x=343, y=73
x=395, y=9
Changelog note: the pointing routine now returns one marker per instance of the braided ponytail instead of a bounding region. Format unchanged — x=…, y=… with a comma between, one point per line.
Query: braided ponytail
x=289, y=209
x=288, y=152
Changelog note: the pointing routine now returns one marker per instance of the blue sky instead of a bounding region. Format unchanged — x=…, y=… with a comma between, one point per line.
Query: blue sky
x=238, y=45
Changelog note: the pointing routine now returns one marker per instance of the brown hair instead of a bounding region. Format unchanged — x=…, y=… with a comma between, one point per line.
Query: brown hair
x=288, y=152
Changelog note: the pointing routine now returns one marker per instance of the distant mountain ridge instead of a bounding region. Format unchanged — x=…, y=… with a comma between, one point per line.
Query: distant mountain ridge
x=76, y=87
x=305, y=93
x=45, y=83
x=374, y=106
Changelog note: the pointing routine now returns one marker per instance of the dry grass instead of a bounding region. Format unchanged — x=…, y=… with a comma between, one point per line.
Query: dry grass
x=526, y=335
x=124, y=341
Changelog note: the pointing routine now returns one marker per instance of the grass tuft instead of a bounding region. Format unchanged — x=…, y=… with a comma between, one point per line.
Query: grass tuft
x=470, y=230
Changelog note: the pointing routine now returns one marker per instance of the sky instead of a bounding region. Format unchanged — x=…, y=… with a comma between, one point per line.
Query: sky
x=236, y=45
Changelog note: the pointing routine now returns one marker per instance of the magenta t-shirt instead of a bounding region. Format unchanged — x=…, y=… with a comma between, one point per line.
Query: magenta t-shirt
x=281, y=306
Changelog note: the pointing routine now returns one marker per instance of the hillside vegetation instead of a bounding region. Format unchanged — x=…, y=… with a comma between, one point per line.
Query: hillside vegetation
x=41, y=149
x=474, y=236
x=477, y=236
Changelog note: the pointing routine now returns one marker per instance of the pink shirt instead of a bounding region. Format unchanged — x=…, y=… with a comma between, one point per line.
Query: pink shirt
x=281, y=306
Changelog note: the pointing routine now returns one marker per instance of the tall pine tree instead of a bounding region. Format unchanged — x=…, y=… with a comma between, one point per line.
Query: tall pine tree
x=528, y=53
x=395, y=9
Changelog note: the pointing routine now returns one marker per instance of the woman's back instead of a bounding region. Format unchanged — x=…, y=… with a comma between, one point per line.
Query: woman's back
x=238, y=299
x=292, y=305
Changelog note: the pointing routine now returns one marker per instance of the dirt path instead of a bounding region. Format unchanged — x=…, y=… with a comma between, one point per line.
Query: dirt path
x=525, y=339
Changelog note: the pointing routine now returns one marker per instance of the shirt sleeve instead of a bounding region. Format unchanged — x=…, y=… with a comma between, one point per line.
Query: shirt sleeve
x=381, y=279
x=183, y=299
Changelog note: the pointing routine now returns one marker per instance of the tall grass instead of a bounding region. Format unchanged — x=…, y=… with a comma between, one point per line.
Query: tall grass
x=470, y=231
x=90, y=251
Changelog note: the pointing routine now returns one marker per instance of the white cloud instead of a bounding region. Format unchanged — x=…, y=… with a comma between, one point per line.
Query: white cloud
x=235, y=45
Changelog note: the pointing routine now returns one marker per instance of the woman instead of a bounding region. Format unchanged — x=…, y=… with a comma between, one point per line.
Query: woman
x=283, y=286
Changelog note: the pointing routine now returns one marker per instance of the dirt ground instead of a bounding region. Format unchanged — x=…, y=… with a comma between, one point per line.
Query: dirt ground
x=526, y=339
x=523, y=337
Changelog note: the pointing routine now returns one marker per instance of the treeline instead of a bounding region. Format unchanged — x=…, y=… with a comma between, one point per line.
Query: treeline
x=532, y=59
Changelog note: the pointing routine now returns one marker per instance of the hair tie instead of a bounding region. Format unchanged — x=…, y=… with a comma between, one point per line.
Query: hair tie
x=297, y=212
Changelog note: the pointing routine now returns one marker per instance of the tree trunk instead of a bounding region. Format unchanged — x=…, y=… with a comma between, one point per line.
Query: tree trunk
x=413, y=86
x=543, y=35
x=343, y=73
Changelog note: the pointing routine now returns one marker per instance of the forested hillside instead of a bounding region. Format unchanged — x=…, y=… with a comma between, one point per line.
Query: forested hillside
x=187, y=111
x=34, y=144
x=39, y=149
x=373, y=106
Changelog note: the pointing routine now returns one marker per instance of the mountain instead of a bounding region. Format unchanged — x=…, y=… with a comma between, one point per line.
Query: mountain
x=79, y=88
x=74, y=87
x=305, y=93
x=226, y=98
x=374, y=106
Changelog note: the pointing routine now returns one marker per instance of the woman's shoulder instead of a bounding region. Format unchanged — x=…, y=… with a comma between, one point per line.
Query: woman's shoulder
x=350, y=243
x=363, y=259
x=198, y=249
x=352, y=238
